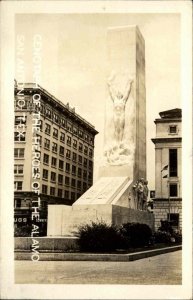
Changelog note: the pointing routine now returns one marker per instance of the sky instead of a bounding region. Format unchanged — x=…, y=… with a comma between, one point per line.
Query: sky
x=74, y=65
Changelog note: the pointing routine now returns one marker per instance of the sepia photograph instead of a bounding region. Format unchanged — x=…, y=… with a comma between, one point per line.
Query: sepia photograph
x=96, y=150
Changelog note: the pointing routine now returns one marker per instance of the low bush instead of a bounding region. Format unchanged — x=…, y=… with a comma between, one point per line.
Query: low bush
x=23, y=231
x=138, y=235
x=99, y=237
x=162, y=237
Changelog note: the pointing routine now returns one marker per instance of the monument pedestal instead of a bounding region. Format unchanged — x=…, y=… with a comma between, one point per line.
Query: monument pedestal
x=64, y=220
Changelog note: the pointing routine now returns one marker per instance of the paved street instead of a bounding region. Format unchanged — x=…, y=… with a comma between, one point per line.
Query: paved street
x=161, y=269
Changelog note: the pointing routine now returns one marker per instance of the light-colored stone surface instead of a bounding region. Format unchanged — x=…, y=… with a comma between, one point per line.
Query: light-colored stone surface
x=126, y=61
x=125, y=142
x=86, y=214
x=103, y=191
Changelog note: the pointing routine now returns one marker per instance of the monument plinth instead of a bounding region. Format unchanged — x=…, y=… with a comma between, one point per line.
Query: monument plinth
x=115, y=197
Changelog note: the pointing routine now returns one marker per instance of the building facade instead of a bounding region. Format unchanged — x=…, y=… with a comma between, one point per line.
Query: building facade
x=167, y=204
x=53, y=153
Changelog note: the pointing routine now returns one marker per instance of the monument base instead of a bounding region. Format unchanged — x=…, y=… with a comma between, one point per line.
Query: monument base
x=64, y=220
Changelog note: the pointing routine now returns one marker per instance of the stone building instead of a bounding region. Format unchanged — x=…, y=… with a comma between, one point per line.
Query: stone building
x=168, y=147
x=53, y=153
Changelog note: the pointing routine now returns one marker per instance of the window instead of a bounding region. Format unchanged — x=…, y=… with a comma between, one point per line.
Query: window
x=79, y=184
x=80, y=133
x=85, y=150
x=74, y=156
x=18, y=185
x=66, y=194
x=73, y=182
x=69, y=126
x=173, y=190
x=174, y=219
x=55, y=118
x=84, y=174
x=44, y=189
x=67, y=180
x=18, y=169
x=80, y=147
x=60, y=179
x=73, y=169
x=173, y=129
x=53, y=176
x=54, y=160
x=62, y=137
x=68, y=154
x=92, y=140
x=19, y=136
x=63, y=122
x=85, y=162
x=52, y=191
x=54, y=147
x=18, y=152
x=39, y=139
x=72, y=196
x=67, y=167
x=90, y=152
x=80, y=159
x=74, y=143
x=60, y=193
x=41, y=125
x=46, y=158
x=47, y=128
x=55, y=133
x=90, y=164
x=68, y=140
x=45, y=174
x=86, y=137
x=48, y=113
x=84, y=186
x=79, y=172
x=173, y=162
x=61, y=164
x=89, y=175
x=18, y=203
x=62, y=150
x=20, y=120
x=46, y=144
x=75, y=130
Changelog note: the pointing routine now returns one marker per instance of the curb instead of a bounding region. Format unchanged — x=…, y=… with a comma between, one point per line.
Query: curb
x=43, y=256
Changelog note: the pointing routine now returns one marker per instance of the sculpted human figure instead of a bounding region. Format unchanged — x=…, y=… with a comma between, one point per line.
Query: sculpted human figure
x=119, y=101
x=145, y=194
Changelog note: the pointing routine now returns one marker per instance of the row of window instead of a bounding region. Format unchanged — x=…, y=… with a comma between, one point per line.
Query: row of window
x=84, y=161
x=53, y=175
x=19, y=153
x=64, y=123
x=19, y=184
x=21, y=137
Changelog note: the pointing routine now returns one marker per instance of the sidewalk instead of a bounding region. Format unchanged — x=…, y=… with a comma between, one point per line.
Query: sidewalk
x=48, y=256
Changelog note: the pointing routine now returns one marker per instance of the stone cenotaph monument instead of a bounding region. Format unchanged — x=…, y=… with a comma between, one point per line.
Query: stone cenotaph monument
x=119, y=196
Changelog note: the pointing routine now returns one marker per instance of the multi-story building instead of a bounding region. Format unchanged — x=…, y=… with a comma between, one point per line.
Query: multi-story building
x=53, y=152
x=167, y=204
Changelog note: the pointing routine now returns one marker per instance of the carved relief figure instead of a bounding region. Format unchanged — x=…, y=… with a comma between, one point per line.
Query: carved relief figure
x=119, y=101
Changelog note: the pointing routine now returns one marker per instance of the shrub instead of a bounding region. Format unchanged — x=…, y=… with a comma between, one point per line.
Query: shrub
x=178, y=237
x=166, y=227
x=99, y=237
x=23, y=231
x=138, y=235
x=162, y=237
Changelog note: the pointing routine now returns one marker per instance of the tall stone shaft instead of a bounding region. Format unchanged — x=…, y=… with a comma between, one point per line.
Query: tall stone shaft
x=125, y=135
